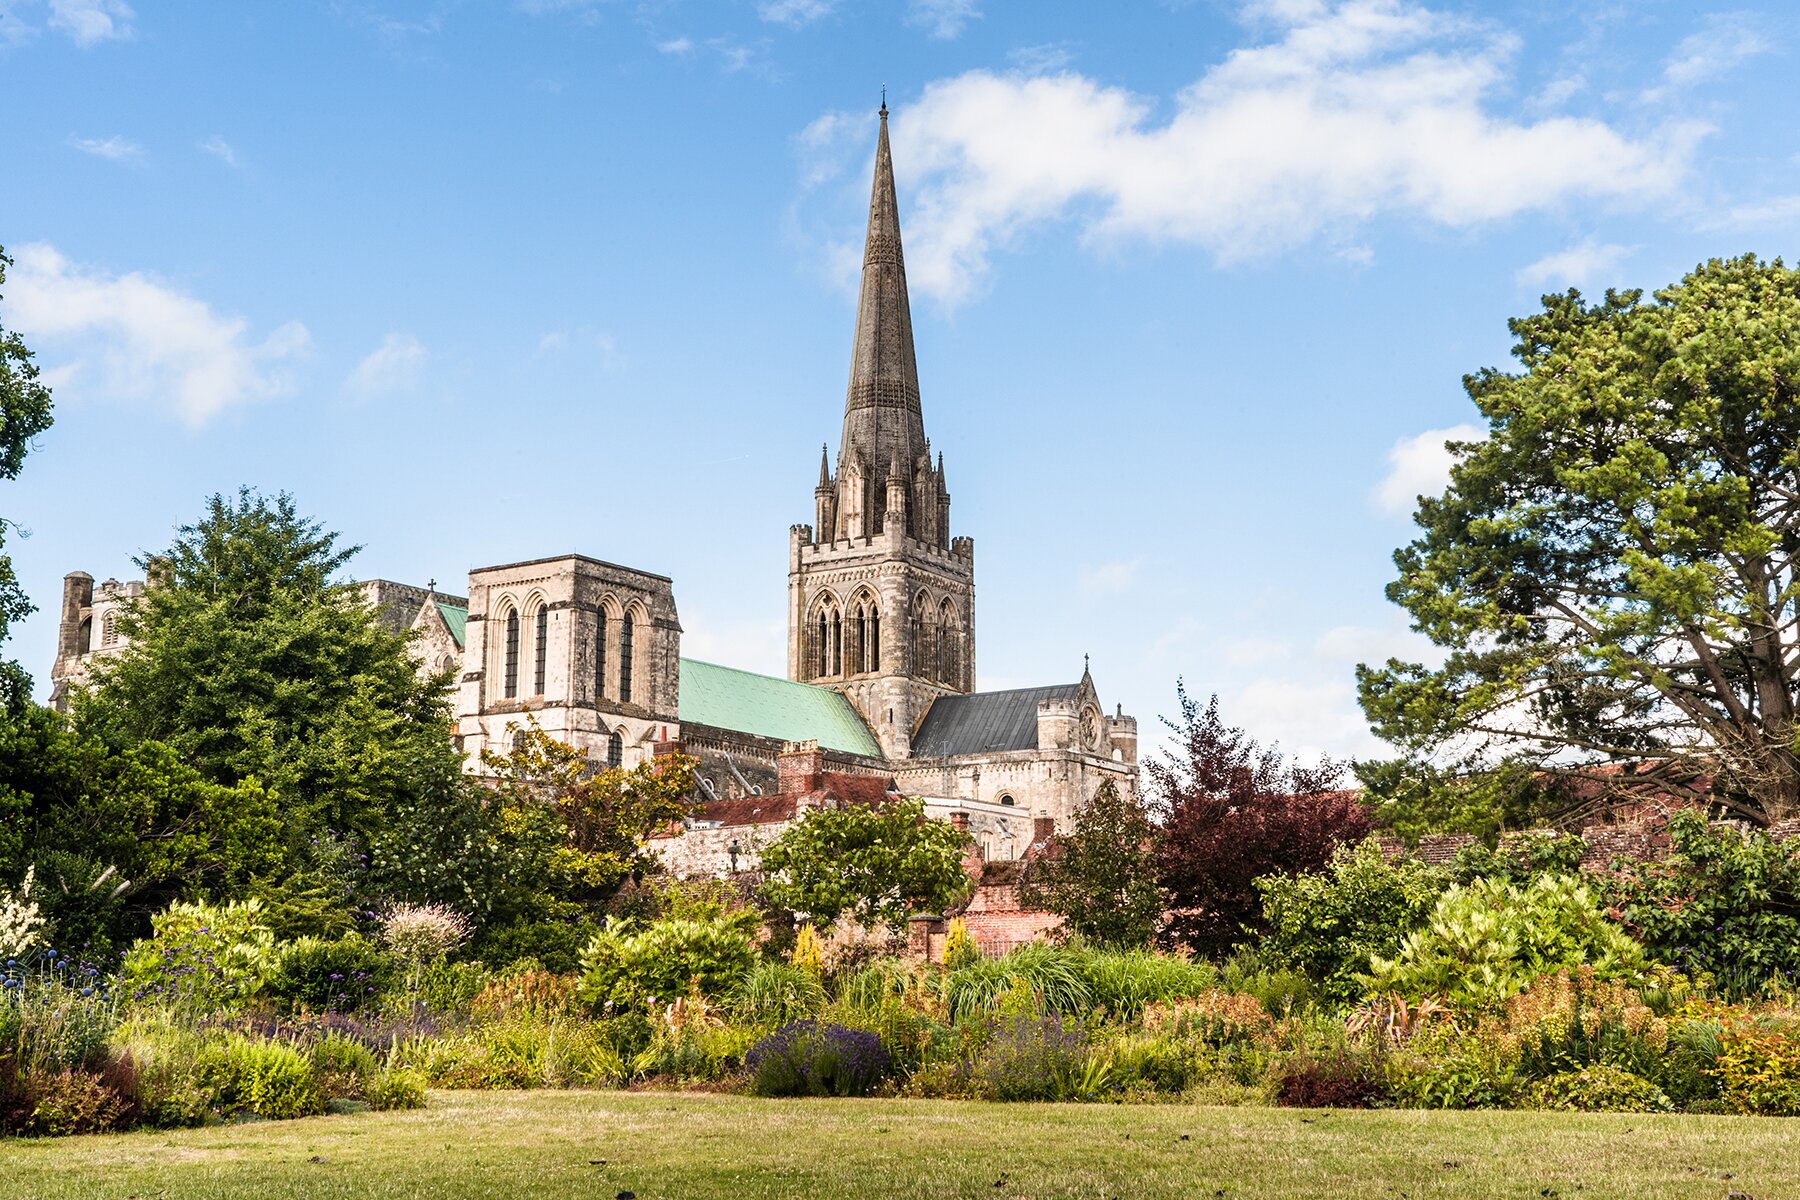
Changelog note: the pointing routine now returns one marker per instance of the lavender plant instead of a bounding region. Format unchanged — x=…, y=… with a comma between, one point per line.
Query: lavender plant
x=806, y=1058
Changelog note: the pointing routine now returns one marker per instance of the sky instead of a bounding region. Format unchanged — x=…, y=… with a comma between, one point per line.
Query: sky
x=1194, y=288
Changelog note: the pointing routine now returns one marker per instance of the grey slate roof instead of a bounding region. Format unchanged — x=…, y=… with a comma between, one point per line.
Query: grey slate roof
x=985, y=721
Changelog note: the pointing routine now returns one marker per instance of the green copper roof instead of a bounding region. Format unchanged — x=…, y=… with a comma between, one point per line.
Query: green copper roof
x=727, y=698
x=456, y=618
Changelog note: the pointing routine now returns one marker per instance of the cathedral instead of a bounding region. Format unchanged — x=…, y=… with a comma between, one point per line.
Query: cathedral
x=880, y=696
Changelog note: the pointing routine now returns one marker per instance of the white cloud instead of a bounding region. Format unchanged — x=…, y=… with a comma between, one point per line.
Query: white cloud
x=391, y=368
x=586, y=340
x=1109, y=579
x=1345, y=113
x=220, y=149
x=1043, y=59
x=115, y=149
x=794, y=13
x=942, y=19
x=680, y=45
x=130, y=336
x=88, y=22
x=1727, y=40
x=1587, y=264
x=1420, y=466
x=1776, y=210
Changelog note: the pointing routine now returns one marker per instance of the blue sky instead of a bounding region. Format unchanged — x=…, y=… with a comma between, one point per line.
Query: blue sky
x=1194, y=286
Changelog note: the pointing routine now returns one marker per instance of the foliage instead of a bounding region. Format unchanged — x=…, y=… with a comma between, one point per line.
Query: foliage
x=876, y=864
x=1520, y=857
x=1488, y=939
x=24, y=413
x=627, y=963
x=576, y=834
x=252, y=663
x=1610, y=569
x=554, y=945
x=396, y=1089
x=1328, y=923
x=1053, y=980
x=422, y=933
x=268, y=1079
x=1411, y=797
x=116, y=834
x=1033, y=1057
x=1100, y=876
x=775, y=993
x=442, y=843
x=1758, y=1068
x=345, y=975
x=205, y=957
x=808, y=954
x=22, y=923
x=1233, y=813
x=959, y=946
x=805, y=1058
x=1599, y=1088
x=1335, y=1079
x=1723, y=903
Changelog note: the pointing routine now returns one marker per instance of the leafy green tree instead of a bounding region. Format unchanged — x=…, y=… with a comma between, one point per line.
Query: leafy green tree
x=252, y=663
x=1100, y=877
x=1411, y=798
x=1723, y=903
x=117, y=834
x=876, y=864
x=24, y=413
x=1329, y=923
x=1612, y=570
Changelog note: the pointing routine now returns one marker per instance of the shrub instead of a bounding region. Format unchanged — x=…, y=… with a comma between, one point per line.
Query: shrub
x=1758, y=1069
x=808, y=953
x=1122, y=982
x=1034, y=1058
x=343, y=1069
x=396, y=1089
x=1597, y=1088
x=552, y=945
x=1329, y=923
x=805, y=1058
x=537, y=994
x=269, y=1079
x=1489, y=939
x=1053, y=975
x=72, y=1101
x=210, y=957
x=691, y=1041
x=775, y=993
x=341, y=976
x=169, y=1092
x=1338, y=1079
x=959, y=946
x=21, y=919
x=1213, y=1019
x=626, y=965
x=451, y=986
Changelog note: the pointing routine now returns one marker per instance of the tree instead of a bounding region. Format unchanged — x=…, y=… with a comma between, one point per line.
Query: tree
x=24, y=413
x=253, y=663
x=1100, y=877
x=1612, y=571
x=1233, y=813
x=574, y=834
x=878, y=864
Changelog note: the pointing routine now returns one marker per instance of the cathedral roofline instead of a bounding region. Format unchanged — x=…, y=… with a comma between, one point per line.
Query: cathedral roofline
x=551, y=558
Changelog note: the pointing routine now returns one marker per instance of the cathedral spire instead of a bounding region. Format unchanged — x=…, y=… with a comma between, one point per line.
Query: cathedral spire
x=881, y=407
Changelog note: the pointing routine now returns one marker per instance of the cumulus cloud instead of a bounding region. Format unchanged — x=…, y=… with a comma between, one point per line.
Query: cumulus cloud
x=1340, y=114
x=114, y=149
x=391, y=368
x=1420, y=466
x=794, y=13
x=942, y=19
x=680, y=45
x=131, y=336
x=88, y=22
x=1586, y=265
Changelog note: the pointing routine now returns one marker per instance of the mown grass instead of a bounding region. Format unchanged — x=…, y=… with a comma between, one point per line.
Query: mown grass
x=602, y=1144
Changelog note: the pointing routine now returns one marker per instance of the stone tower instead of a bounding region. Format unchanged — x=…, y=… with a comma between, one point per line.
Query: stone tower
x=881, y=599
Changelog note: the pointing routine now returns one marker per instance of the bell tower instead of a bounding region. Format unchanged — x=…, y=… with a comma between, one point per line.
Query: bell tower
x=881, y=599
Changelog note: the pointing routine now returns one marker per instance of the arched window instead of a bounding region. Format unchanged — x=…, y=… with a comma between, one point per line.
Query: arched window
x=872, y=642
x=627, y=636
x=1006, y=799
x=615, y=742
x=837, y=643
x=822, y=647
x=109, y=629
x=447, y=663
x=518, y=740
x=946, y=645
x=84, y=635
x=924, y=639
x=512, y=654
x=600, y=654
x=541, y=664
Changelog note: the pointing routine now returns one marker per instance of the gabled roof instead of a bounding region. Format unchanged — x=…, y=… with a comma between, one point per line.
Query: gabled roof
x=456, y=620
x=727, y=698
x=985, y=722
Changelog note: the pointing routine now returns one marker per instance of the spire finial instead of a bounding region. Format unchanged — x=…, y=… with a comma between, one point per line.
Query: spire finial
x=884, y=101
x=1084, y=664
x=824, y=470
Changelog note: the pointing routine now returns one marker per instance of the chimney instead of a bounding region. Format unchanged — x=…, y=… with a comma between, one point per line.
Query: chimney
x=798, y=768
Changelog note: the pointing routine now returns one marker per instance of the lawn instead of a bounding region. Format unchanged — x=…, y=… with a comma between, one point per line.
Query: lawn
x=607, y=1144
